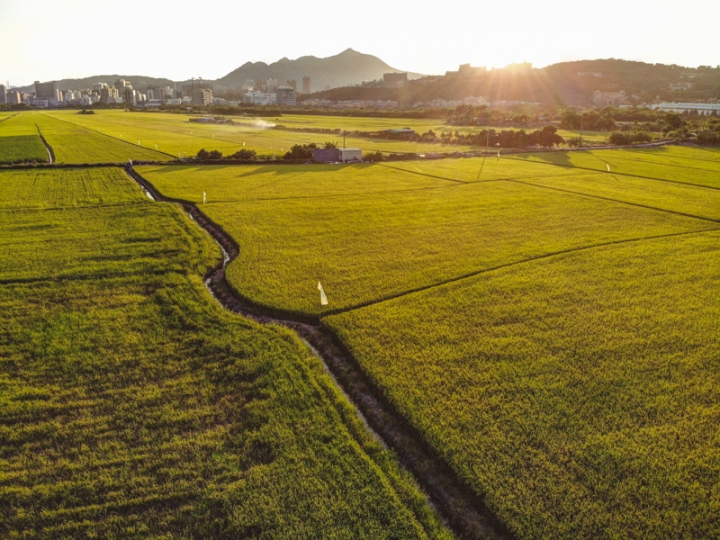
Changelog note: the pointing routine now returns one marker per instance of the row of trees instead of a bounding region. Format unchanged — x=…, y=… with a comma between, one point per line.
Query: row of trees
x=546, y=137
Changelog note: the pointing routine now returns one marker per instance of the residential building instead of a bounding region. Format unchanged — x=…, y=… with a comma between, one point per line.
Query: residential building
x=681, y=86
x=271, y=86
x=394, y=80
x=14, y=97
x=121, y=84
x=596, y=74
x=306, y=85
x=702, y=109
x=201, y=97
x=260, y=98
x=292, y=83
x=248, y=85
x=128, y=96
x=108, y=94
x=45, y=91
x=286, y=96
x=3, y=94
x=602, y=99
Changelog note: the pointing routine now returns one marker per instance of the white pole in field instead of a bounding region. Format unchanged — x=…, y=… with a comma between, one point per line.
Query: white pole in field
x=204, y=197
x=130, y=160
x=156, y=147
x=138, y=143
x=323, y=298
x=608, y=167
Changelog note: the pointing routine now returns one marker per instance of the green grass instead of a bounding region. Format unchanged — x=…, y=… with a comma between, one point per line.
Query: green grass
x=133, y=406
x=578, y=394
x=295, y=227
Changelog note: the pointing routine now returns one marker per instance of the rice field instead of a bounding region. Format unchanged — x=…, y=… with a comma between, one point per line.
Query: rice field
x=20, y=142
x=73, y=142
x=134, y=406
x=549, y=327
x=365, y=241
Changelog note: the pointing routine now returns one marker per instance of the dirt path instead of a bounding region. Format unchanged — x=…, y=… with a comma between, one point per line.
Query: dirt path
x=463, y=511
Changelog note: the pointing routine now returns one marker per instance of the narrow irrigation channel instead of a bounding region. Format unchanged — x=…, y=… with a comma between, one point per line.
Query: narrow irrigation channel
x=50, y=151
x=464, y=512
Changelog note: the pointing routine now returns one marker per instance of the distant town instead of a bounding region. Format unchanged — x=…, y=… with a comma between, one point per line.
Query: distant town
x=197, y=93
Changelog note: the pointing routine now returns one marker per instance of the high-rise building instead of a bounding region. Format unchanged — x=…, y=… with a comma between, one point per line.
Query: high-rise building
x=14, y=97
x=128, y=96
x=306, y=85
x=248, y=85
x=271, y=86
x=3, y=94
x=201, y=97
x=45, y=90
x=108, y=94
x=120, y=84
x=292, y=83
x=286, y=96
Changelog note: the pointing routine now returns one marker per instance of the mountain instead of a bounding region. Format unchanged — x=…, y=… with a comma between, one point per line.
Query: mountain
x=566, y=83
x=345, y=69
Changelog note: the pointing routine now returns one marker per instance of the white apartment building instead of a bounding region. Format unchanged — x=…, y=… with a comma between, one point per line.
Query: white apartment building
x=260, y=98
x=703, y=109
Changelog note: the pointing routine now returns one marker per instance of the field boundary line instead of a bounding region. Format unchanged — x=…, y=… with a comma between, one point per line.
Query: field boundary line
x=10, y=209
x=620, y=201
x=110, y=136
x=476, y=273
x=50, y=151
x=622, y=174
x=87, y=277
x=463, y=510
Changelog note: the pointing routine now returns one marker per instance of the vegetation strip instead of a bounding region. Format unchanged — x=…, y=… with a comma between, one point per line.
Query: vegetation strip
x=580, y=193
x=464, y=511
x=507, y=265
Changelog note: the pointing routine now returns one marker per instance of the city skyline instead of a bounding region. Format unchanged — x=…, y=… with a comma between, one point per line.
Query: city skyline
x=53, y=43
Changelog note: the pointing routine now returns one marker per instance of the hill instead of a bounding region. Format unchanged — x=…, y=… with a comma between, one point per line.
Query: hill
x=344, y=69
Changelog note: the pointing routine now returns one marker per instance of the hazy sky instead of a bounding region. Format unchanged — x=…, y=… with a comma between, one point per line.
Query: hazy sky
x=49, y=40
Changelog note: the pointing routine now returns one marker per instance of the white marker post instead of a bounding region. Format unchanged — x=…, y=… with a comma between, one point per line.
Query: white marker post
x=156, y=147
x=323, y=298
x=130, y=160
x=243, y=143
x=204, y=197
x=608, y=167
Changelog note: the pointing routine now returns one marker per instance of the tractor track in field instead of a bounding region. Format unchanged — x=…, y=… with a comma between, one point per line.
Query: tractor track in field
x=462, y=509
x=50, y=151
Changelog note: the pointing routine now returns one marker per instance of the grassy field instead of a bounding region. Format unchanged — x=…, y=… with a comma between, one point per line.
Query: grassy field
x=365, y=241
x=134, y=406
x=74, y=143
x=551, y=331
x=19, y=141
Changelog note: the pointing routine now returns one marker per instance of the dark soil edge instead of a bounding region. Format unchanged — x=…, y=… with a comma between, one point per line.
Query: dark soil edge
x=51, y=152
x=462, y=509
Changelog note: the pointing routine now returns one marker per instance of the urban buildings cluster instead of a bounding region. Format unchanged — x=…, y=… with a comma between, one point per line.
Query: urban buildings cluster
x=195, y=94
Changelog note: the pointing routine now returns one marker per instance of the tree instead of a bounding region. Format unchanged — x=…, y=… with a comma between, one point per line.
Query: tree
x=330, y=145
x=244, y=154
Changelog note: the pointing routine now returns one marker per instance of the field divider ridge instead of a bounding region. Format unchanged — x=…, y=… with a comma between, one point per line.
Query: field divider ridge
x=623, y=174
x=476, y=273
x=610, y=199
x=463, y=510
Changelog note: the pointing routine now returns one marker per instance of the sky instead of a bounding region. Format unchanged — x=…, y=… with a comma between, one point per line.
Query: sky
x=51, y=40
